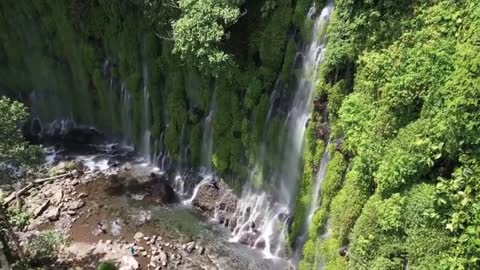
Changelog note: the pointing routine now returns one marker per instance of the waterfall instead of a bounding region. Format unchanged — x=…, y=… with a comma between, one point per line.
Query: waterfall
x=207, y=137
x=206, y=172
x=264, y=217
x=314, y=203
x=316, y=195
x=126, y=114
x=146, y=117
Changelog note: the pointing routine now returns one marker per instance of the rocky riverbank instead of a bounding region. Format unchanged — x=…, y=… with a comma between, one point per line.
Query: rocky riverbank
x=127, y=213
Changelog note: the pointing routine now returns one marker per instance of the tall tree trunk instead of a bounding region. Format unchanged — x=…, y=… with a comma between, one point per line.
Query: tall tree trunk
x=11, y=233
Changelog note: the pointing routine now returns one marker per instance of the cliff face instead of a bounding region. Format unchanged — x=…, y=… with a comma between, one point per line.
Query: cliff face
x=110, y=64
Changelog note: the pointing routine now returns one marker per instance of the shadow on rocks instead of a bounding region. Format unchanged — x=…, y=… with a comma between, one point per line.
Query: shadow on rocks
x=155, y=188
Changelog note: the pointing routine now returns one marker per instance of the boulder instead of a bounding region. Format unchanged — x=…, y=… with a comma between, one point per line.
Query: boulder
x=248, y=238
x=53, y=214
x=75, y=205
x=161, y=190
x=129, y=263
x=216, y=198
x=57, y=196
x=82, y=135
x=138, y=236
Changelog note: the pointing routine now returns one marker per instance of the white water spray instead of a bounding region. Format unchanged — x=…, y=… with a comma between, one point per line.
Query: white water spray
x=258, y=217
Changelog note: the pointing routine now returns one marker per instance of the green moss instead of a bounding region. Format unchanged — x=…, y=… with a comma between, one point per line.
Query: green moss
x=290, y=53
x=273, y=41
x=314, y=149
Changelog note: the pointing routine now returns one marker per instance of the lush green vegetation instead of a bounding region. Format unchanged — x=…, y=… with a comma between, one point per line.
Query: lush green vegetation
x=403, y=88
x=401, y=79
x=83, y=53
x=15, y=152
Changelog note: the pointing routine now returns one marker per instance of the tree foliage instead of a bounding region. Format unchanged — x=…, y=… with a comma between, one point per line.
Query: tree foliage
x=15, y=152
x=199, y=31
x=404, y=82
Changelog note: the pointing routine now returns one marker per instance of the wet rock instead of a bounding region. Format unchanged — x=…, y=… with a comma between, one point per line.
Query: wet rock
x=82, y=135
x=161, y=190
x=127, y=166
x=76, y=173
x=53, y=214
x=260, y=244
x=343, y=251
x=113, y=163
x=248, y=238
x=75, y=205
x=41, y=209
x=216, y=197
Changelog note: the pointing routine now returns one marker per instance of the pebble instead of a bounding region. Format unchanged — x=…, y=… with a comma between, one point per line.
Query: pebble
x=108, y=242
x=83, y=195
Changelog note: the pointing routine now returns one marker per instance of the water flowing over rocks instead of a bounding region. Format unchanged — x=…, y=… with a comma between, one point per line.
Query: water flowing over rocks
x=216, y=200
x=107, y=207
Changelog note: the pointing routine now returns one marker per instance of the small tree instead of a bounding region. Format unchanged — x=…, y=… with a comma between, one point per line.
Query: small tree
x=15, y=152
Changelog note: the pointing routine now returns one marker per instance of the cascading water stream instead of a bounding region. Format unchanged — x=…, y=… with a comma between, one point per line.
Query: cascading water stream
x=316, y=195
x=126, y=114
x=207, y=137
x=206, y=171
x=314, y=202
x=146, y=117
x=257, y=215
